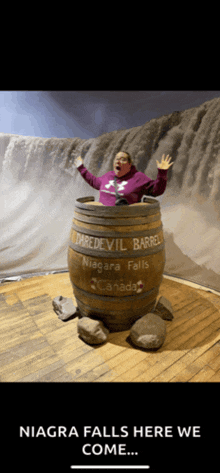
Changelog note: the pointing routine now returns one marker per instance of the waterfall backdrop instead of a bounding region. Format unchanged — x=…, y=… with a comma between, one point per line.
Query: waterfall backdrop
x=39, y=184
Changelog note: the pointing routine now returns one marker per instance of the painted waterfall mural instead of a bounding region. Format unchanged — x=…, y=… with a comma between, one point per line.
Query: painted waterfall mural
x=39, y=185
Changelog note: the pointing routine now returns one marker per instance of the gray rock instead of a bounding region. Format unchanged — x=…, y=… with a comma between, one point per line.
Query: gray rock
x=92, y=331
x=164, y=309
x=148, y=332
x=64, y=307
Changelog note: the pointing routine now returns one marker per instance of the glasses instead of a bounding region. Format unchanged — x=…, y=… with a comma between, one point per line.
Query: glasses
x=123, y=160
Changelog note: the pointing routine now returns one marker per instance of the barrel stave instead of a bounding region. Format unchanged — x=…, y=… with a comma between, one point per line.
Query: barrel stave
x=117, y=314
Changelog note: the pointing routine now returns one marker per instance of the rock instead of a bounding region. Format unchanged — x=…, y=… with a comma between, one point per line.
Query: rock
x=148, y=332
x=64, y=307
x=164, y=309
x=92, y=331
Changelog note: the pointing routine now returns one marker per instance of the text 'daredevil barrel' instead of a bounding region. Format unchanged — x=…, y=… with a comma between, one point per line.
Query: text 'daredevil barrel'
x=116, y=259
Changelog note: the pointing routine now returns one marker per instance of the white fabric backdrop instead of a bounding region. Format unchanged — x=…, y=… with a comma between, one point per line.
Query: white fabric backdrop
x=39, y=185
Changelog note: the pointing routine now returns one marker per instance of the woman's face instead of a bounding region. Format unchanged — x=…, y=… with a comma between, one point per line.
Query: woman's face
x=121, y=166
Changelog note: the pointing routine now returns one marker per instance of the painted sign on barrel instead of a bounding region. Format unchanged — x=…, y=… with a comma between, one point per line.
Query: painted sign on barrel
x=116, y=259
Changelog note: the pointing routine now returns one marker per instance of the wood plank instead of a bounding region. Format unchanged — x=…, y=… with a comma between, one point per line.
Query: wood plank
x=21, y=350
x=35, y=334
x=61, y=334
x=11, y=299
x=43, y=314
x=108, y=377
x=85, y=363
x=196, y=337
x=66, y=341
x=17, y=338
x=215, y=378
x=72, y=357
x=186, y=318
x=6, y=307
x=128, y=364
x=199, y=319
x=15, y=321
x=120, y=359
x=215, y=362
x=52, y=284
x=108, y=352
x=38, y=305
x=121, y=364
x=197, y=357
x=203, y=375
x=27, y=322
x=92, y=375
x=170, y=352
x=28, y=364
x=47, y=374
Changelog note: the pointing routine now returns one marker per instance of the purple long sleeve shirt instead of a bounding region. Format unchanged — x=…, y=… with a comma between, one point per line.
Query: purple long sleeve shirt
x=132, y=186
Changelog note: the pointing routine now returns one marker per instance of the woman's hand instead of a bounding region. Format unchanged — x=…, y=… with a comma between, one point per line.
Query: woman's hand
x=78, y=161
x=165, y=163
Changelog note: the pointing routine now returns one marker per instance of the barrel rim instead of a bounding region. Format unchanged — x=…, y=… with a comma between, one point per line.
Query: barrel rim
x=114, y=234
x=97, y=220
x=108, y=211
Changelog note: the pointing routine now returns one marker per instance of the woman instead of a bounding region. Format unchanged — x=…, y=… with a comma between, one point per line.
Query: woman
x=125, y=180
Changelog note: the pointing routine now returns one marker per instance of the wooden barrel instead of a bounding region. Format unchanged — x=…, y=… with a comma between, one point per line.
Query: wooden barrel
x=116, y=259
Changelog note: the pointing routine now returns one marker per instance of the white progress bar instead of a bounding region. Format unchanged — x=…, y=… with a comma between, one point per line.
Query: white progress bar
x=104, y=467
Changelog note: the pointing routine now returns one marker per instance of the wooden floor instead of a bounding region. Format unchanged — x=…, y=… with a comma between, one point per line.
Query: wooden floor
x=35, y=346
